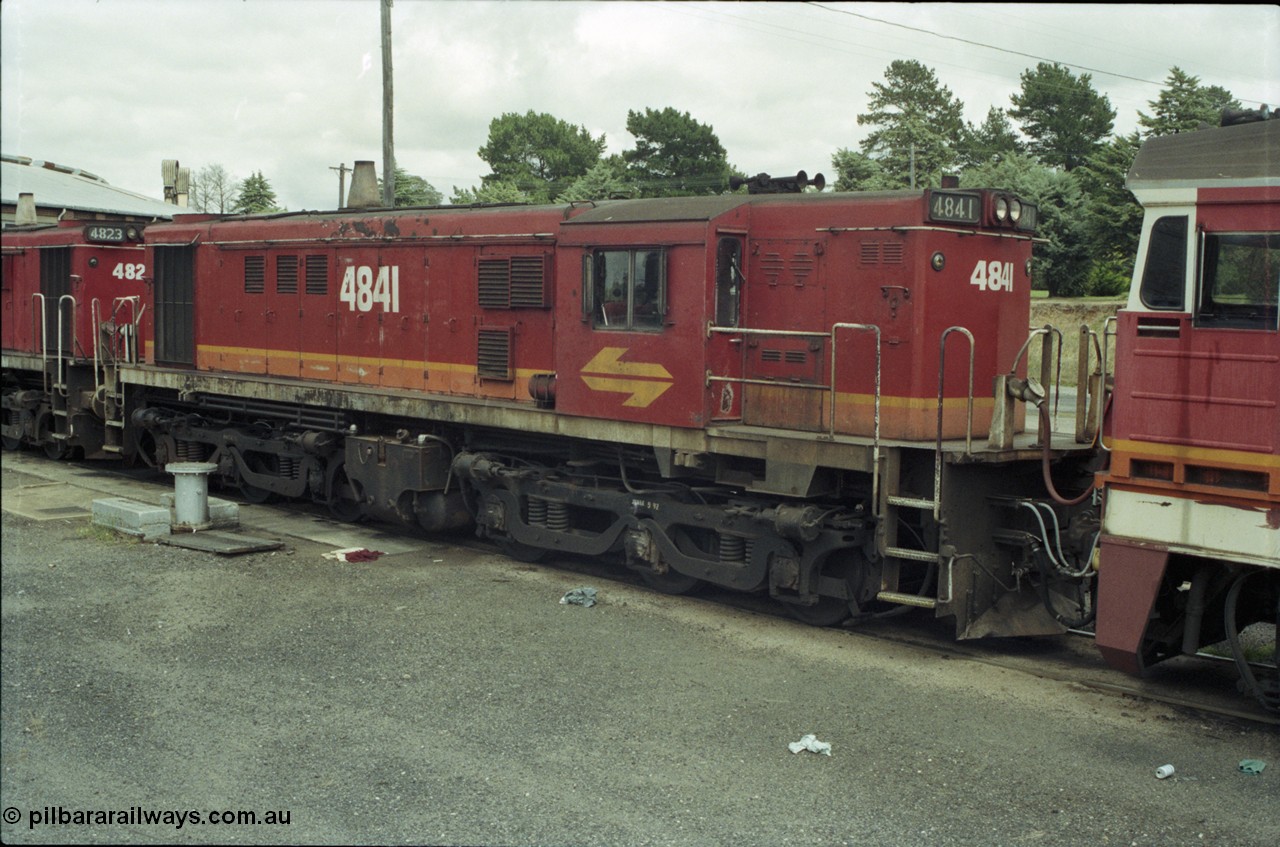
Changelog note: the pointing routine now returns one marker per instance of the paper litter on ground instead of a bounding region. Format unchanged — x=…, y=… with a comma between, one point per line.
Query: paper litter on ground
x=353, y=554
x=579, y=597
x=811, y=743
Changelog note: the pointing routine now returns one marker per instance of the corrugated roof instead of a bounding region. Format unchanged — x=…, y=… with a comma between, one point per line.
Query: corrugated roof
x=1248, y=154
x=55, y=187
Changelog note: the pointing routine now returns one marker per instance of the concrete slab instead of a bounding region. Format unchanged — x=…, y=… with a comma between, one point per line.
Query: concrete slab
x=131, y=517
x=222, y=543
x=49, y=501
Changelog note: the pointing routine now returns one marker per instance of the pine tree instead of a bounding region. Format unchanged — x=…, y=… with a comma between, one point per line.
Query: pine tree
x=539, y=154
x=674, y=155
x=1184, y=104
x=917, y=122
x=1064, y=118
x=256, y=196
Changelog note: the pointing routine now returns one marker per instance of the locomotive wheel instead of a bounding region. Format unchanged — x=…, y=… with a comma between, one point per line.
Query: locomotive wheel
x=670, y=582
x=520, y=552
x=253, y=493
x=344, y=499
x=10, y=443
x=830, y=611
x=56, y=450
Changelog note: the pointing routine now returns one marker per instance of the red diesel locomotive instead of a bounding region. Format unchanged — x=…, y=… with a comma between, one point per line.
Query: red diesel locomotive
x=819, y=396
x=72, y=294
x=781, y=392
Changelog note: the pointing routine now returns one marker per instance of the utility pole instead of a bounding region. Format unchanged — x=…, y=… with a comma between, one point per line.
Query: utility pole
x=342, y=184
x=388, y=143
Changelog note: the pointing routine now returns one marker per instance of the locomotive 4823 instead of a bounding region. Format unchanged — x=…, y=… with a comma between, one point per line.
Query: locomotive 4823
x=819, y=396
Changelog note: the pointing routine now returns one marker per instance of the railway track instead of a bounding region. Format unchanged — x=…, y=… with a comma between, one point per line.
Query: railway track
x=1203, y=685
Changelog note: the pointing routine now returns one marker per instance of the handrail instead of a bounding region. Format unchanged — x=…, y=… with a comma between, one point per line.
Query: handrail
x=96, y=322
x=40, y=329
x=742, y=330
x=62, y=385
x=1108, y=331
x=875, y=443
x=942, y=362
x=968, y=432
x=1054, y=386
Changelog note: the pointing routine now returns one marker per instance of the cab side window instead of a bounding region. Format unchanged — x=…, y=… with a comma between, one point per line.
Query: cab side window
x=1239, y=280
x=626, y=289
x=729, y=281
x=1165, y=273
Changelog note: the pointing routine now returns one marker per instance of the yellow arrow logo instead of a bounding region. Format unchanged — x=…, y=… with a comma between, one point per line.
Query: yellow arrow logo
x=644, y=381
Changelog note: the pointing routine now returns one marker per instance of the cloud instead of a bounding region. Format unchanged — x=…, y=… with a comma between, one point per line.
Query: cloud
x=293, y=87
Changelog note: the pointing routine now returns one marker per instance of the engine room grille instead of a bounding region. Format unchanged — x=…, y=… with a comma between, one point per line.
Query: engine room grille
x=514, y=282
x=881, y=252
x=286, y=274
x=317, y=274
x=793, y=357
x=255, y=274
x=794, y=269
x=493, y=353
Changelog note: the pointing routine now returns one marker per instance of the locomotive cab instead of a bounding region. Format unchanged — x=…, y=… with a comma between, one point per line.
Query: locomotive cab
x=1194, y=480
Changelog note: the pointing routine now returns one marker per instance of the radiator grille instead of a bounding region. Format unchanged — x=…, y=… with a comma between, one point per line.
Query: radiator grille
x=255, y=274
x=493, y=354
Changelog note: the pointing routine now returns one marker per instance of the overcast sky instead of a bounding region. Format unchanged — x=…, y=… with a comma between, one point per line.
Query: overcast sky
x=293, y=87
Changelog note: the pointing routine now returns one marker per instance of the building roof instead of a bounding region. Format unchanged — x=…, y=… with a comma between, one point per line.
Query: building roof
x=59, y=187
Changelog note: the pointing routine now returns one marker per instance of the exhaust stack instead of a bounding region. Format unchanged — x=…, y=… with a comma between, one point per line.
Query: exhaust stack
x=364, y=187
x=25, y=215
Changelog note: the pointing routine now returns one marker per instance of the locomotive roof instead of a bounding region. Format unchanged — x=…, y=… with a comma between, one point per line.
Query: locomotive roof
x=1248, y=154
x=704, y=208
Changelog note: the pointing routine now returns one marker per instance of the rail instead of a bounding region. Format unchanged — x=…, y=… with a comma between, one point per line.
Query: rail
x=968, y=428
x=1108, y=331
x=40, y=329
x=61, y=384
x=832, y=337
x=120, y=340
x=875, y=439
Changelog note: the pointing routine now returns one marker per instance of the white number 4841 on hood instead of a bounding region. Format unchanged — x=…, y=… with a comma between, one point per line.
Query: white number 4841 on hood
x=992, y=276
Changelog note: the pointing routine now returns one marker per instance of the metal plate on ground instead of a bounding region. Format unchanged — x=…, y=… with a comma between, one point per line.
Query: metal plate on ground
x=222, y=543
x=48, y=501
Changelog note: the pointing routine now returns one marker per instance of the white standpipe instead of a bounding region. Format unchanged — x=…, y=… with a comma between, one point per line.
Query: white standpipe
x=191, y=492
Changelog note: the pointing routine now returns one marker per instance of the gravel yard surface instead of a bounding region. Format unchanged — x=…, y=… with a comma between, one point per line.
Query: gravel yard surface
x=444, y=695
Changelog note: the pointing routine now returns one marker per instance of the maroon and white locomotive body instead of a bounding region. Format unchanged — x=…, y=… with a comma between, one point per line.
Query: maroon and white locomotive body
x=1191, y=549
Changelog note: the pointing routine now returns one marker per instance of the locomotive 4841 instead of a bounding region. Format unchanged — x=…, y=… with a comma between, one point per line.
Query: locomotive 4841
x=822, y=396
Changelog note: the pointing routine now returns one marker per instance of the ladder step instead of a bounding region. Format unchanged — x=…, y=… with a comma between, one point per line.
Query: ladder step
x=112, y=448
x=907, y=599
x=912, y=502
x=913, y=555
x=113, y=422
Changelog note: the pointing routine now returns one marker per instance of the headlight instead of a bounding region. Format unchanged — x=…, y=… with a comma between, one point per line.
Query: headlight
x=1002, y=209
x=1015, y=209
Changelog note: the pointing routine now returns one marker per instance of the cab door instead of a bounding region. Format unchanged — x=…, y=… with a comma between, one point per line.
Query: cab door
x=725, y=347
